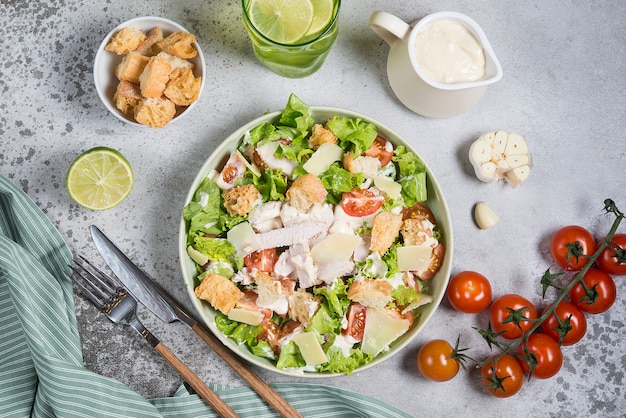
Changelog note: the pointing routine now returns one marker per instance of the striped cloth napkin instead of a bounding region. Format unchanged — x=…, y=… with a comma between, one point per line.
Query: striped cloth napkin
x=41, y=364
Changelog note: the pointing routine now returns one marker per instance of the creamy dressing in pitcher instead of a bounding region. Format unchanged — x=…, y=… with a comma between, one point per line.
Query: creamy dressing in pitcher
x=447, y=52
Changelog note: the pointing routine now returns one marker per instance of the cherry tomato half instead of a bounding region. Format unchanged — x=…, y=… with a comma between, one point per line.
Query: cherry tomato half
x=503, y=377
x=571, y=321
x=361, y=202
x=575, y=241
x=469, y=292
x=601, y=295
x=608, y=261
x=545, y=353
x=505, y=308
x=380, y=151
x=262, y=260
x=436, y=361
x=356, y=321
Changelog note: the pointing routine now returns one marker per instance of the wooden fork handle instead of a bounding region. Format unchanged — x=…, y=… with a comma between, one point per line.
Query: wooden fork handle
x=255, y=382
x=195, y=382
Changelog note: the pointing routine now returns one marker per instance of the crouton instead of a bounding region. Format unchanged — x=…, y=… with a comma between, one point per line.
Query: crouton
x=373, y=293
x=413, y=231
x=302, y=306
x=147, y=47
x=127, y=96
x=268, y=288
x=369, y=166
x=155, y=112
x=385, y=230
x=131, y=67
x=183, y=88
x=306, y=191
x=176, y=62
x=154, y=77
x=321, y=135
x=180, y=44
x=126, y=40
x=241, y=200
x=219, y=291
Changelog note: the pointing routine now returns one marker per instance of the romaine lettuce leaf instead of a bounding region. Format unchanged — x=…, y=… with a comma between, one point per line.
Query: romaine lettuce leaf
x=336, y=181
x=290, y=357
x=355, y=135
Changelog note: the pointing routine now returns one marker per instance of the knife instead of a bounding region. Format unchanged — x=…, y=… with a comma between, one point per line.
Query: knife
x=159, y=302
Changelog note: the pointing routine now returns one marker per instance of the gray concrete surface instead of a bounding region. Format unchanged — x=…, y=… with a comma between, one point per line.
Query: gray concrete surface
x=564, y=89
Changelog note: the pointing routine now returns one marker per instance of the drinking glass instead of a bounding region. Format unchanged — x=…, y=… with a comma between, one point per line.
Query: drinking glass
x=297, y=60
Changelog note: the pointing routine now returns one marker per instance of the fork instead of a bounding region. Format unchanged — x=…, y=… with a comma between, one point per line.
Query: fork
x=110, y=297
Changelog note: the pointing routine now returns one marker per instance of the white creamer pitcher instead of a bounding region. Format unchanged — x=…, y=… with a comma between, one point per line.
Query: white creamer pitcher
x=408, y=81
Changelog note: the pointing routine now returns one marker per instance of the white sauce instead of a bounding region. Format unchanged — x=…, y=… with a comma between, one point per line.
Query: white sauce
x=448, y=53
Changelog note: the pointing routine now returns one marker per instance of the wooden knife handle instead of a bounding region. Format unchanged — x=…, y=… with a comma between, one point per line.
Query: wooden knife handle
x=255, y=382
x=195, y=382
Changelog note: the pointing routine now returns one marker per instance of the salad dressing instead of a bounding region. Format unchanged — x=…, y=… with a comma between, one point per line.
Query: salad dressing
x=448, y=53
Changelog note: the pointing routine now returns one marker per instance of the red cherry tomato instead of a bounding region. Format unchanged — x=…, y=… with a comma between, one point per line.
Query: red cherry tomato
x=503, y=310
x=379, y=150
x=469, y=292
x=601, y=292
x=503, y=377
x=419, y=211
x=545, y=354
x=575, y=241
x=356, y=321
x=608, y=260
x=436, y=361
x=262, y=260
x=361, y=202
x=571, y=321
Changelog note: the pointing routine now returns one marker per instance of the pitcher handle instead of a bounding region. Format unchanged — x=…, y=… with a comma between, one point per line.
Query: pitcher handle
x=389, y=27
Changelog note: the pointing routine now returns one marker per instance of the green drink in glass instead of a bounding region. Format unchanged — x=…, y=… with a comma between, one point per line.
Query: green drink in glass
x=291, y=37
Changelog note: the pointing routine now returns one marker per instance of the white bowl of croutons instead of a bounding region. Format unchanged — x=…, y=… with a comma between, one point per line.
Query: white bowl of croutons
x=277, y=251
x=149, y=71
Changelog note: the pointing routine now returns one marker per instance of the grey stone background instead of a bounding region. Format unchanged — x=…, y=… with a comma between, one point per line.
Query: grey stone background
x=564, y=89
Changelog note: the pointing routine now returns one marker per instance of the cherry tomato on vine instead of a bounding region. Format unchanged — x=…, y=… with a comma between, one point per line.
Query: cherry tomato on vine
x=503, y=377
x=512, y=315
x=599, y=295
x=571, y=323
x=570, y=245
x=469, y=292
x=438, y=361
x=540, y=356
x=608, y=260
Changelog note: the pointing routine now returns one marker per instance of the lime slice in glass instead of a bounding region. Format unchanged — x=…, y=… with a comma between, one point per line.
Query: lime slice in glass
x=99, y=179
x=322, y=15
x=282, y=21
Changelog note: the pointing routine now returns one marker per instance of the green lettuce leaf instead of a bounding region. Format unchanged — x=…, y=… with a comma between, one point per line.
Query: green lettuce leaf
x=290, y=357
x=355, y=135
x=404, y=295
x=336, y=181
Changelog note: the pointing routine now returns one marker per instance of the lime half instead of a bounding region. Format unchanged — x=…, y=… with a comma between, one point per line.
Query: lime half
x=282, y=21
x=322, y=15
x=99, y=179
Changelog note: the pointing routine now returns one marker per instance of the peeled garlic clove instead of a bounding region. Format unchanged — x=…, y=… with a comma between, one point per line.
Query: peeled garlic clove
x=516, y=144
x=519, y=174
x=480, y=151
x=484, y=216
x=500, y=141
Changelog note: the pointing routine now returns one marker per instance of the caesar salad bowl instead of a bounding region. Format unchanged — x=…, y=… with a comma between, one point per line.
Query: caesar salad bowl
x=214, y=319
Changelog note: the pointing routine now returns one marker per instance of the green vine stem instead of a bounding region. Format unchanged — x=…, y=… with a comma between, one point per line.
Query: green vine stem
x=609, y=207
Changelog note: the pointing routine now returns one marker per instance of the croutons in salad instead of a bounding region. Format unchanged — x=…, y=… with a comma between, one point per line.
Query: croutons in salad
x=313, y=241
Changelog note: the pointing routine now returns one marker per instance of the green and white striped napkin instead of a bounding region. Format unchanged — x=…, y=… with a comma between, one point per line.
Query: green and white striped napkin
x=41, y=364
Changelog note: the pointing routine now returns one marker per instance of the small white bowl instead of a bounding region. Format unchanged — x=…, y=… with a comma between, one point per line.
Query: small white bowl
x=436, y=202
x=106, y=62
